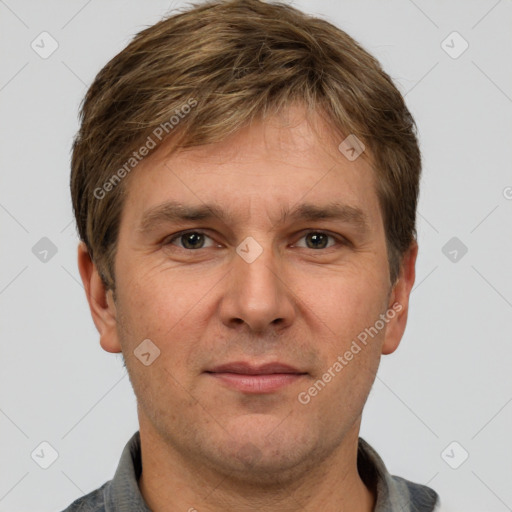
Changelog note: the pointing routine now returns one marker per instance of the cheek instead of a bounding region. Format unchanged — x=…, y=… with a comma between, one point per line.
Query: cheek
x=173, y=313
x=345, y=302
x=350, y=353
x=173, y=324
x=160, y=300
x=348, y=309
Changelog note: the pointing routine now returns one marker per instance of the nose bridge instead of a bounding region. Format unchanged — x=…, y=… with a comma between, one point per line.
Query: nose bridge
x=259, y=277
x=256, y=293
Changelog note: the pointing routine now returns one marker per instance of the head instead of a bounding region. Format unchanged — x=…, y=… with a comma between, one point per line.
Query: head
x=226, y=121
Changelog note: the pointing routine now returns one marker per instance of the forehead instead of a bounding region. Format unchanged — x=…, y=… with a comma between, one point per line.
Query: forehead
x=276, y=168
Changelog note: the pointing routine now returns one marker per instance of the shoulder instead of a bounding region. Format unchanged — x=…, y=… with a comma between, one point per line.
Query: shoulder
x=393, y=492
x=420, y=497
x=92, y=502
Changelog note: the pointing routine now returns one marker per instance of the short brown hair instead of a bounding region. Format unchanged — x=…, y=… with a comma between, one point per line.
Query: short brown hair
x=238, y=60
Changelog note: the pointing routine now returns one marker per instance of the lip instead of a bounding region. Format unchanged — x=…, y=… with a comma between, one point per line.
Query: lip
x=256, y=379
x=241, y=367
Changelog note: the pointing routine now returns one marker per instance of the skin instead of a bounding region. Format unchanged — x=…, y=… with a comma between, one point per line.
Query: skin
x=205, y=445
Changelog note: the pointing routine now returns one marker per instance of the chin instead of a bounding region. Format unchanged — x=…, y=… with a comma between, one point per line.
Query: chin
x=255, y=456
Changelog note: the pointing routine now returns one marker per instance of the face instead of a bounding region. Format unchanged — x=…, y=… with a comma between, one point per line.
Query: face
x=254, y=304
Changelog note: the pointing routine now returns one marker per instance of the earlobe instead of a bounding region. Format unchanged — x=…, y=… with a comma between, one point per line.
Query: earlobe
x=101, y=302
x=399, y=301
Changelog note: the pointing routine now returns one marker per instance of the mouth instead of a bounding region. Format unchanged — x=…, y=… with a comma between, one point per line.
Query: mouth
x=253, y=379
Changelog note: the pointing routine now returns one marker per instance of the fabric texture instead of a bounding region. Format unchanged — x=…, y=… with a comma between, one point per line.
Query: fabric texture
x=393, y=493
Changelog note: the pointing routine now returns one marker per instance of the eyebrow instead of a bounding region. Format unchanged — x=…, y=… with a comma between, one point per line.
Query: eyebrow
x=174, y=211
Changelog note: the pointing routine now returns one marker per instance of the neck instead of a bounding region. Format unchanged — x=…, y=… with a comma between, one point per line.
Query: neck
x=170, y=481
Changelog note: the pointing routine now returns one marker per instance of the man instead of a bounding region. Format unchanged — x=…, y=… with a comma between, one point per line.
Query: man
x=245, y=182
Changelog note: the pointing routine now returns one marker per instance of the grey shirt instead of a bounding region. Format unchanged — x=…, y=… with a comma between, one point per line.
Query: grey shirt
x=121, y=494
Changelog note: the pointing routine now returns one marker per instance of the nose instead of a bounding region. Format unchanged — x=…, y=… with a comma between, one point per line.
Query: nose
x=257, y=295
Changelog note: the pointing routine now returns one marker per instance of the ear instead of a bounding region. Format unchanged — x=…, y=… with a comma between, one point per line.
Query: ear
x=399, y=300
x=101, y=301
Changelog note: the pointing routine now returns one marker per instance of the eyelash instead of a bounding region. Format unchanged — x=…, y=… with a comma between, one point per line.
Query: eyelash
x=339, y=240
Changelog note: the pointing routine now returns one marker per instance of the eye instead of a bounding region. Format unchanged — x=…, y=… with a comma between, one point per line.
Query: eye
x=190, y=240
x=194, y=240
x=318, y=240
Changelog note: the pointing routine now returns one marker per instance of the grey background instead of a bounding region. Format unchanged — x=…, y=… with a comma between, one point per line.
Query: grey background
x=450, y=379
